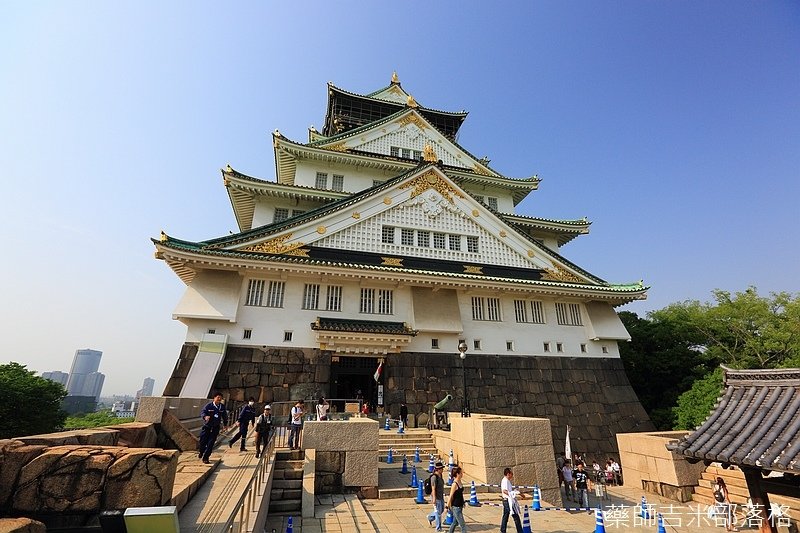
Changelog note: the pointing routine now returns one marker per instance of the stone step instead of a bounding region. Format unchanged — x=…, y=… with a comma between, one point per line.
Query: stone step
x=287, y=483
x=285, y=495
x=288, y=474
x=284, y=506
x=294, y=464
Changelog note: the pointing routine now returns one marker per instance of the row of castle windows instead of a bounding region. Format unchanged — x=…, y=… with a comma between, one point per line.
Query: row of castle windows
x=405, y=153
x=442, y=241
x=263, y=293
x=337, y=181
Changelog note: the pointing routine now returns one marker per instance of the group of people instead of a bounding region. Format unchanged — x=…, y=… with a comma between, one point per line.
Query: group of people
x=215, y=417
x=577, y=480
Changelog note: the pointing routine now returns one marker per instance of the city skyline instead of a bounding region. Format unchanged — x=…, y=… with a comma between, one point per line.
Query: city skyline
x=672, y=127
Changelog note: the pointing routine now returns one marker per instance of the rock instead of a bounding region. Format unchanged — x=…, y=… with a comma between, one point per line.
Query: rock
x=137, y=435
x=21, y=525
x=181, y=436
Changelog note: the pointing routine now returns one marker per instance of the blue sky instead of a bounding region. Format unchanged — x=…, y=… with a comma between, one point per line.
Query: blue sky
x=673, y=126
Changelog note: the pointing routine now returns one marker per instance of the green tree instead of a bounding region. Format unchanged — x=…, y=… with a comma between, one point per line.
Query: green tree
x=696, y=404
x=93, y=420
x=34, y=403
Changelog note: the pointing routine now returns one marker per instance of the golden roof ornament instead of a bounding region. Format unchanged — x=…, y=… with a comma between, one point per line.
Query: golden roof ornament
x=395, y=79
x=410, y=102
x=428, y=154
x=163, y=237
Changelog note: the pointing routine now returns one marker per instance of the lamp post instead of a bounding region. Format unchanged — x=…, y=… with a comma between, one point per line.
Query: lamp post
x=462, y=353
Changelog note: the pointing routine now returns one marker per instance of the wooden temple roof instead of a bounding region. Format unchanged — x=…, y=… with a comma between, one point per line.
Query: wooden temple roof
x=756, y=423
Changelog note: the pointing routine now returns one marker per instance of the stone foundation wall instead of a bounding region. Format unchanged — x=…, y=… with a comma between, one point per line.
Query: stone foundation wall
x=346, y=454
x=592, y=395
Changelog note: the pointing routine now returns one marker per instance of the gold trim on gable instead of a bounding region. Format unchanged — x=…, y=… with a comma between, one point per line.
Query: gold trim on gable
x=559, y=273
x=299, y=252
x=275, y=246
x=432, y=180
x=530, y=253
x=470, y=269
x=479, y=170
x=392, y=261
x=321, y=230
x=412, y=119
x=387, y=200
x=338, y=147
x=476, y=213
x=356, y=215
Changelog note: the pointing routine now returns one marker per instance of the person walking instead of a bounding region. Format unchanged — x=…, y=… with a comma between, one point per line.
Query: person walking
x=247, y=416
x=296, y=425
x=263, y=429
x=456, y=501
x=510, y=505
x=569, y=490
x=722, y=503
x=214, y=416
x=582, y=486
x=437, y=493
x=404, y=413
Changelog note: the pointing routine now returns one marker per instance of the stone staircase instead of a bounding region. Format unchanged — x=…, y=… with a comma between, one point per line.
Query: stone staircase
x=287, y=483
x=406, y=443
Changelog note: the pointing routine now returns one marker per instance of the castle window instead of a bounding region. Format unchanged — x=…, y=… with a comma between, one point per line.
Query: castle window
x=509, y=346
x=406, y=153
x=583, y=348
x=407, y=237
x=537, y=312
x=605, y=349
x=435, y=344
x=560, y=347
x=337, y=183
x=212, y=331
x=521, y=310
x=377, y=301
x=491, y=202
x=322, y=180
x=454, y=241
x=247, y=334
x=424, y=239
x=472, y=244
x=438, y=240
x=568, y=314
x=477, y=308
x=417, y=155
x=394, y=151
x=311, y=296
x=493, y=309
x=476, y=344
x=255, y=292
x=275, y=294
x=387, y=234
x=546, y=347
x=280, y=214
x=385, y=302
x=334, y=298
x=287, y=336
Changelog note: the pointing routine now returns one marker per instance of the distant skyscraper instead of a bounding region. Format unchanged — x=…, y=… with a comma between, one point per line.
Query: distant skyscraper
x=147, y=388
x=57, y=376
x=85, y=363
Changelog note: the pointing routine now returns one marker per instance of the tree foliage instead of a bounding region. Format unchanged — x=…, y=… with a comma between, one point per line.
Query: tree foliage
x=93, y=420
x=34, y=403
x=696, y=404
x=674, y=350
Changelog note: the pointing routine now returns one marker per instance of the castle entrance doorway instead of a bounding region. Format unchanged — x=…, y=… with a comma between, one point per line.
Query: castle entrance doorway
x=351, y=375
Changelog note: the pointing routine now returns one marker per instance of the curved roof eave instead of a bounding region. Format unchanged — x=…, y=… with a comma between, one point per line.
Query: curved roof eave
x=616, y=294
x=462, y=114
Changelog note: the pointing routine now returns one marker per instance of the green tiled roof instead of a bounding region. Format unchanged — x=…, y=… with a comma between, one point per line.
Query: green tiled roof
x=362, y=326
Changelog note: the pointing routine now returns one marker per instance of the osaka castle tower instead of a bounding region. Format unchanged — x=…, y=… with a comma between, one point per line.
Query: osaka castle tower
x=378, y=248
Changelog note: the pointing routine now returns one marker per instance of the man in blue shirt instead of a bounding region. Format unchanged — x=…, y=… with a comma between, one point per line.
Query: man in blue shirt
x=247, y=416
x=214, y=416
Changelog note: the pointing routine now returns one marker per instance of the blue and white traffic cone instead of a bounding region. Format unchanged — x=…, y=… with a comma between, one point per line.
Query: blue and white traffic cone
x=386, y=425
x=420, y=495
x=430, y=465
x=473, y=496
x=645, y=509
x=537, y=500
x=526, y=522
x=390, y=457
x=404, y=469
x=289, y=527
x=661, y=528
x=449, y=481
x=599, y=525
x=451, y=461
x=449, y=518
x=416, y=455
x=400, y=429
x=414, y=482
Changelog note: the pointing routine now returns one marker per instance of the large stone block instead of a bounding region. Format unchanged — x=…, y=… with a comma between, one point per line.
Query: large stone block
x=342, y=435
x=101, y=436
x=137, y=434
x=172, y=428
x=14, y=455
x=360, y=469
x=21, y=525
x=143, y=478
x=330, y=461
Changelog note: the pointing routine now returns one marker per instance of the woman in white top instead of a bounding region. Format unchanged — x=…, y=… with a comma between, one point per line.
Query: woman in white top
x=322, y=409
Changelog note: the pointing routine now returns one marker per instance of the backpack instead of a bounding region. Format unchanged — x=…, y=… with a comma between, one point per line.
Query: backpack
x=718, y=495
x=427, y=485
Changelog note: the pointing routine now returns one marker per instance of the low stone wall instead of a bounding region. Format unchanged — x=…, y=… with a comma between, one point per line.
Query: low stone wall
x=484, y=445
x=647, y=463
x=75, y=479
x=346, y=454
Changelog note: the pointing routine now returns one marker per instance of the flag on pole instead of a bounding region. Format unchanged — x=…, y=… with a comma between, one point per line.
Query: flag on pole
x=378, y=372
x=568, y=447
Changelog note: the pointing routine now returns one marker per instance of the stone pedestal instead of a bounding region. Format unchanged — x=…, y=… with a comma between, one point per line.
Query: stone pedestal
x=346, y=450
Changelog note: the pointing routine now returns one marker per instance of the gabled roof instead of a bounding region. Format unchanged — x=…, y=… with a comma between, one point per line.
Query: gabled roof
x=756, y=422
x=347, y=110
x=324, y=323
x=565, y=230
x=274, y=242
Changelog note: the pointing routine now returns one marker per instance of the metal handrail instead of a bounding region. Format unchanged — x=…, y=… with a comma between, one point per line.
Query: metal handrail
x=244, y=506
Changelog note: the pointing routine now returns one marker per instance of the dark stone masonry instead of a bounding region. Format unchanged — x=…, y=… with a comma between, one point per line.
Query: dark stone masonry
x=592, y=395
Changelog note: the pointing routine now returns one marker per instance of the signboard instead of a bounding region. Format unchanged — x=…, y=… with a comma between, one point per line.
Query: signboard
x=380, y=394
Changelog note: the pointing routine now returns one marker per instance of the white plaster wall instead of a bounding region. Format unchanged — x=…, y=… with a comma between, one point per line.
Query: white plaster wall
x=269, y=324
x=356, y=178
